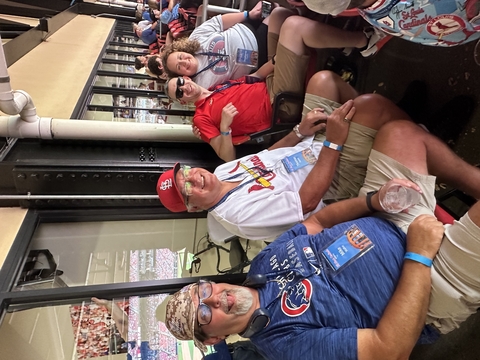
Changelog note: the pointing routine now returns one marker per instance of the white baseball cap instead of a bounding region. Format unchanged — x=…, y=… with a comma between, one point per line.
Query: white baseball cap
x=333, y=7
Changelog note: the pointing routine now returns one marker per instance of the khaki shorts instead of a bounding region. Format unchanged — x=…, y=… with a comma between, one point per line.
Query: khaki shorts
x=352, y=164
x=456, y=268
x=456, y=276
x=382, y=168
x=289, y=76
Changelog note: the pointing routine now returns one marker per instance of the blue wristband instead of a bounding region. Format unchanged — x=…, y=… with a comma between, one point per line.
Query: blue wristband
x=245, y=13
x=418, y=258
x=226, y=133
x=332, y=146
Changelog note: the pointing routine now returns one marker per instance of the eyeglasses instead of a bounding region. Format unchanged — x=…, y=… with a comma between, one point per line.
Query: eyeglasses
x=188, y=187
x=204, y=313
x=179, y=92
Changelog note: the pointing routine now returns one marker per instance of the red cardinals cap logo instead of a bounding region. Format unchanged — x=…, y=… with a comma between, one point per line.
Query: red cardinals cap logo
x=168, y=192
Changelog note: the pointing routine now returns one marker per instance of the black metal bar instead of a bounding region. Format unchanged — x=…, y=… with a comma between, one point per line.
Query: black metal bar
x=61, y=19
x=24, y=43
x=27, y=11
x=21, y=45
x=57, y=5
x=143, y=46
x=120, y=62
x=129, y=92
x=96, y=9
x=88, y=215
x=123, y=52
x=115, y=74
x=60, y=296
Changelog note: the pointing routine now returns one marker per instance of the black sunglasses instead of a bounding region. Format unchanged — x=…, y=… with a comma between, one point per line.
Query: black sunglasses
x=179, y=92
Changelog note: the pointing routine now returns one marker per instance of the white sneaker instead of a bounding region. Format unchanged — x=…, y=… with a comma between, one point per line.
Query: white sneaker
x=376, y=38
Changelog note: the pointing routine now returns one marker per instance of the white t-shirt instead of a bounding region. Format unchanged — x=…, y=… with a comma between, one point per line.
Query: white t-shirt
x=261, y=212
x=214, y=39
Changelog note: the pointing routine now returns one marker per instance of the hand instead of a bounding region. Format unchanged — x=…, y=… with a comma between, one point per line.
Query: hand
x=307, y=126
x=337, y=124
x=228, y=113
x=425, y=235
x=102, y=302
x=196, y=132
x=256, y=12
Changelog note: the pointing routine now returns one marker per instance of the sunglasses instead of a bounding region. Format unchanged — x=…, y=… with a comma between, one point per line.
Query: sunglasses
x=179, y=92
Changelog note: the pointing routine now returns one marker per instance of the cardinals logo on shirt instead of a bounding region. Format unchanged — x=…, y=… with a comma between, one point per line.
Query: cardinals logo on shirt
x=264, y=177
x=297, y=300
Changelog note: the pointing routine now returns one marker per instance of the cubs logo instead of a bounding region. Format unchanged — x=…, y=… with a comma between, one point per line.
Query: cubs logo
x=297, y=301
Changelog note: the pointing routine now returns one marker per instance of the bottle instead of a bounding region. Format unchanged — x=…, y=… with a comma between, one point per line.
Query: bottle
x=398, y=197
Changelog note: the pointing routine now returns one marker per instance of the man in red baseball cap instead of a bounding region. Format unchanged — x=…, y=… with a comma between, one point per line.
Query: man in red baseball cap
x=261, y=195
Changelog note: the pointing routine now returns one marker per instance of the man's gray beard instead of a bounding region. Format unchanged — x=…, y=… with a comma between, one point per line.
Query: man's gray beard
x=244, y=300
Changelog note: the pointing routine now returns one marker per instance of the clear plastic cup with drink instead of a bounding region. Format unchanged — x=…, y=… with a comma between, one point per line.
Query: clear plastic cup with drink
x=398, y=198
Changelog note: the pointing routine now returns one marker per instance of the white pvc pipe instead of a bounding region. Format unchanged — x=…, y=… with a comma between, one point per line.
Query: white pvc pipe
x=26, y=123
x=48, y=128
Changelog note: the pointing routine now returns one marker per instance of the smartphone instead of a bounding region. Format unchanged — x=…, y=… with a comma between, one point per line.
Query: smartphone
x=266, y=9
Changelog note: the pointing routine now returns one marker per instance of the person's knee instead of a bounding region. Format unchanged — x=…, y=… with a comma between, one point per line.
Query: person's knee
x=280, y=14
x=372, y=101
x=324, y=78
x=293, y=25
x=403, y=131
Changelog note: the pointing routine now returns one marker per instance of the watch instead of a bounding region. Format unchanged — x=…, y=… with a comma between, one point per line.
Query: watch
x=369, y=200
x=297, y=132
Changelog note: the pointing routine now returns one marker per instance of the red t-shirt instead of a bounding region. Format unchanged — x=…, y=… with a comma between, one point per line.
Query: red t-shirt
x=252, y=102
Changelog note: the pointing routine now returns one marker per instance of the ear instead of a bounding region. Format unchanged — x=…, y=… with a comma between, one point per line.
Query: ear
x=214, y=340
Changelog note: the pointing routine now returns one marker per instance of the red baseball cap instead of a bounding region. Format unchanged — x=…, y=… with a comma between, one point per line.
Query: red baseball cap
x=168, y=191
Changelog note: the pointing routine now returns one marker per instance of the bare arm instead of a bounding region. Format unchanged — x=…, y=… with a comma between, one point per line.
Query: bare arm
x=319, y=179
x=265, y=70
x=231, y=19
x=404, y=317
x=171, y=4
x=349, y=209
x=222, y=144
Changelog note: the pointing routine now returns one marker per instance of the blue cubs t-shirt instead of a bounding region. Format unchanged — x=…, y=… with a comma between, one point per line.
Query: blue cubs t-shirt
x=316, y=300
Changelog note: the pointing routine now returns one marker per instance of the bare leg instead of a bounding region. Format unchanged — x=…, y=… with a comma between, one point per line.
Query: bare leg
x=276, y=19
x=299, y=33
x=372, y=110
x=329, y=85
x=424, y=153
